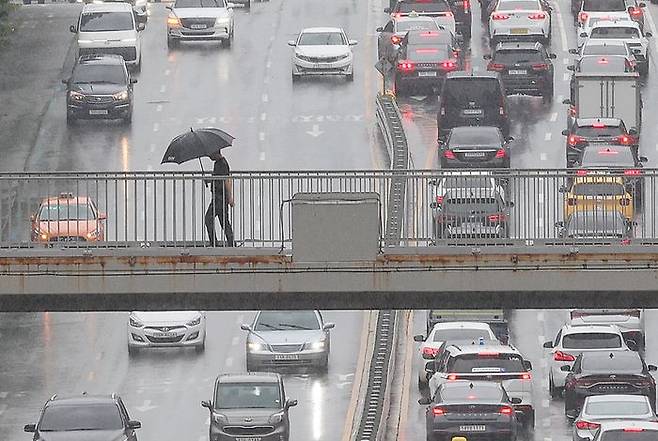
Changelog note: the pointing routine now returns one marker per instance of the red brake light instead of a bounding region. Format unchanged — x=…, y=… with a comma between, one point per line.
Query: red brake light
x=438, y=411
x=632, y=172
x=603, y=61
x=581, y=172
x=449, y=154
x=406, y=65
x=540, y=66
x=448, y=65
x=537, y=16
x=625, y=140
x=489, y=353
x=635, y=12
x=426, y=51
x=500, y=153
x=431, y=351
x=439, y=200
x=608, y=151
x=466, y=4
x=396, y=39
x=582, y=17
x=501, y=111
x=506, y=410
x=496, y=67
x=499, y=16
x=598, y=125
x=495, y=218
x=574, y=140
x=563, y=356
x=452, y=377
x=633, y=429
x=586, y=425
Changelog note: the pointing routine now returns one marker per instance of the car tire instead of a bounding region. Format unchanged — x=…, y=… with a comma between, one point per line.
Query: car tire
x=294, y=77
x=128, y=119
x=248, y=4
x=70, y=119
x=555, y=392
x=172, y=42
x=132, y=351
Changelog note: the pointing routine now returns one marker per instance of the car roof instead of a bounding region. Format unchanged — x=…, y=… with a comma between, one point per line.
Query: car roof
x=590, y=328
x=488, y=346
x=82, y=399
x=320, y=30
x=107, y=7
x=101, y=59
x=250, y=377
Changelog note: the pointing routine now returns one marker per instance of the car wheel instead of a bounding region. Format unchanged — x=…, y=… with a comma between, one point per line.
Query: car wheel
x=70, y=119
x=172, y=42
x=294, y=77
x=555, y=392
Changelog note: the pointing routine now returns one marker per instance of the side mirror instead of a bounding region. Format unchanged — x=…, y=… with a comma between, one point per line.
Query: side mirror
x=328, y=326
x=509, y=204
x=527, y=364
x=562, y=189
x=31, y=428
x=419, y=338
x=652, y=367
x=429, y=367
x=291, y=403
x=425, y=401
x=648, y=34
x=379, y=29
x=571, y=414
x=632, y=345
x=515, y=400
x=353, y=42
x=245, y=327
x=509, y=139
x=548, y=345
x=387, y=10
x=565, y=132
x=102, y=216
x=141, y=26
x=65, y=81
x=292, y=43
x=565, y=368
x=566, y=101
x=133, y=424
x=133, y=81
x=583, y=34
x=643, y=159
x=73, y=29
x=207, y=404
x=573, y=51
x=552, y=56
x=572, y=68
x=486, y=56
x=632, y=131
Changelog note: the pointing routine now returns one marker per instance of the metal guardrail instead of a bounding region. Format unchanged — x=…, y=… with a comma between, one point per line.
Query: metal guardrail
x=167, y=209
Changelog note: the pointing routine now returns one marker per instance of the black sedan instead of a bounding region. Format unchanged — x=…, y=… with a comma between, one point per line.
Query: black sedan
x=607, y=372
x=472, y=409
x=475, y=146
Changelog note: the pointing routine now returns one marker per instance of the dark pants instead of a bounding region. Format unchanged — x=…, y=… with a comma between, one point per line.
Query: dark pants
x=219, y=208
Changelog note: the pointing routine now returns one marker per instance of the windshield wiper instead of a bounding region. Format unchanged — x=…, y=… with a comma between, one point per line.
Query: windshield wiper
x=267, y=325
x=291, y=325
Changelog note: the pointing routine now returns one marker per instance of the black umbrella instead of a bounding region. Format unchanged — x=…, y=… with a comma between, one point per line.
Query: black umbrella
x=196, y=144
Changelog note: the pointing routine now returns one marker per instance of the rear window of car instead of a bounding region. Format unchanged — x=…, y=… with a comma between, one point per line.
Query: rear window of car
x=598, y=189
x=603, y=64
x=199, y=4
x=608, y=156
x=510, y=5
x=591, y=340
x=630, y=435
x=422, y=53
x=470, y=205
x=475, y=137
x=518, y=56
x=431, y=37
x=480, y=91
x=605, y=49
x=594, y=132
x=407, y=7
x=481, y=363
x=617, y=408
x=604, y=362
x=604, y=5
x=416, y=25
x=459, y=334
x=467, y=393
x=615, y=32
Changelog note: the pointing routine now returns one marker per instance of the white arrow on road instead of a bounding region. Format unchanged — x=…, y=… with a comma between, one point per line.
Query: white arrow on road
x=315, y=132
x=146, y=406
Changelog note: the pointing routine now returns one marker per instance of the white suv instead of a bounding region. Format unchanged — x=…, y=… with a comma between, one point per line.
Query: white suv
x=109, y=28
x=200, y=20
x=571, y=341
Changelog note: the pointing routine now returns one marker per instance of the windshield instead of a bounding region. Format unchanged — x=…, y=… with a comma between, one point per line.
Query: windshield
x=604, y=5
x=99, y=73
x=199, y=4
x=286, y=320
x=596, y=132
x=106, y=21
x=248, y=395
x=591, y=340
x=466, y=393
x=605, y=49
x=321, y=39
x=459, y=334
x=617, y=408
x=615, y=32
x=63, y=211
x=81, y=417
x=475, y=136
x=632, y=435
x=477, y=363
x=425, y=7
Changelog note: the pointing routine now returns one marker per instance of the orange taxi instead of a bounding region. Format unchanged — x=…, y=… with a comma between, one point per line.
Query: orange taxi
x=592, y=192
x=68, y=218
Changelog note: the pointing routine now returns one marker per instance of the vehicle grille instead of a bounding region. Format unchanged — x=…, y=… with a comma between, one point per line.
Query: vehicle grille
x=323, y=59
x=128, y=53
x=176, y=339
x=165, y=328
x=67, y=239
x=248, y=430
x=188, y=22
x=98, y=99
x=287, y=348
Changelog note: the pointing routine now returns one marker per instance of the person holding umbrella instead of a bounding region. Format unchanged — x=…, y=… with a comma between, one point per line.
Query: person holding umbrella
x=222, y=198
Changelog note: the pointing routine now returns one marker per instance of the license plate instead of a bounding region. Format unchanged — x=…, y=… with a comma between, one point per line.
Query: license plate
x=472, y=111
x=286, y=357
x=518, y=31
x=166, y=334
x=474, y=154
x=98, y=112
x=472, y=428
x=250, y=438
x=518, y=72
x=427, y=74
x=198, y=26
x=322, y=66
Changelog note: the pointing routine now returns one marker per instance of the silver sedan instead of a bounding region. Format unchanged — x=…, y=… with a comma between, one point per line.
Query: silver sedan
x=166, y=329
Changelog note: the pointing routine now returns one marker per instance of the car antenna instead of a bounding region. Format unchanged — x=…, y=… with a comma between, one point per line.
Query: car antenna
x=612, y=355
x=471, y=385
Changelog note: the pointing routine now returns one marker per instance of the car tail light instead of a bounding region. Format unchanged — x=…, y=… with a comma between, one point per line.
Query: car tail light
x=431, y=352
x=501, y=153
x=506, y=410
x=571, y=202
x=448, y=65
x=466, y=4
x=635, y=12
x=448, y=14
x=438, y=411
x=442, y=111
x=540, y=66
x=563, y=356
x=488, y=353
x=439, y=200
x=449, y=154
x=493, y=218
x=632, y=172
x=586, y=425
x=642, y=382
x=526, y=376
x=598, y=125
x=582, y=172
x=396, y=39
x=499, y=16
x=602, y=61
x=452, y=377
x=501, y=111
x=426, y=51
x=397, y=15
x=406, y=66
x=574, y=140
x=537, y=16
x=624, y=202
x=582, y=17
x=625, y=140
x=495, y=67
x=633, y=429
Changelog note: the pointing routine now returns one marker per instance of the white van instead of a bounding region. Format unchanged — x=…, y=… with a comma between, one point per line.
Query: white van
x=109, y=28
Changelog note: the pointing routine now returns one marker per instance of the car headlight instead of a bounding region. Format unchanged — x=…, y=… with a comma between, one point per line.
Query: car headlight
x=195, y=322
x=256, y=347
x=77, y=96
x=222, y=21
x=315, y=345
x=135, y=323
x=218, y=418
x=121, y=96
x=276, y=418
x=173, y=22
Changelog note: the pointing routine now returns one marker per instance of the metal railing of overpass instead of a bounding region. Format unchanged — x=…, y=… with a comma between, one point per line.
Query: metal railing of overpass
x=146, y=209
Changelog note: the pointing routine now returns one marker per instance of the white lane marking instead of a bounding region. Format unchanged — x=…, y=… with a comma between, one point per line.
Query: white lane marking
x=542, y=156
x=560, y=23
x=272, y=38
x=263, y=116
x=541, y=339
x=152, y=148
x=548, y=136
x=265, y=98
x=158, y=108
x=548, y=439
x=540, y=314
x=3, y=407
x=553, y=116
x=229, y=361
x=3, y=395
x=546, y=422
x=156, y=127
x=545, y=403
x=266, y=80
x=235, y=340
x=656, y=147
x=566, y=76
x=268, y=64
x=566, y=61
x=261, y=156
x=163, y=88
x=167, y=72
x=652, y=24
x=261, y=136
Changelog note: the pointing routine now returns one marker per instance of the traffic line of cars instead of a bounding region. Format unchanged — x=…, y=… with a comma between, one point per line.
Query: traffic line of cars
x=477, y=387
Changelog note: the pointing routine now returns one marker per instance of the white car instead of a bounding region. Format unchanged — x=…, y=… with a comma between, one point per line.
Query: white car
x=571, y=341
x=513, y=20
x=627, y=430
x=600, y=408
x=627, y=31
x=322, y=51
x=200, y=20
x=586, y=27
x=447, y=332
x=109, y=28
x=166, y=329
x=628, y=320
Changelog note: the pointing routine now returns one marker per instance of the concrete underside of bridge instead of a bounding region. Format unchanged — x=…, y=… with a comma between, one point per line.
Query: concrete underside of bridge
x=130, y=279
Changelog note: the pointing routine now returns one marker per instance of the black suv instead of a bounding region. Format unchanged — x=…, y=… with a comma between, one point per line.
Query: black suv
x=604, y=373
x=469, y=99
x=249, y=406
x=525, y=68
x=99, y=87
x=97, y=417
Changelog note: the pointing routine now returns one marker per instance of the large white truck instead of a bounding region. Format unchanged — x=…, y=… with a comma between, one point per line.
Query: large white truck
x=606, y=96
